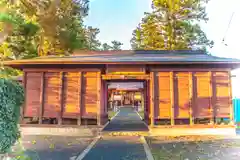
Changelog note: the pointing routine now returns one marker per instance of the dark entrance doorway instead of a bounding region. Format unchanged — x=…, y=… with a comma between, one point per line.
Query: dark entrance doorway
x=127, y=102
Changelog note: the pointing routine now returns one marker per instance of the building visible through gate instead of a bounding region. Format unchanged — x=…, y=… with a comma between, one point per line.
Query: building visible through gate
x=180, y=87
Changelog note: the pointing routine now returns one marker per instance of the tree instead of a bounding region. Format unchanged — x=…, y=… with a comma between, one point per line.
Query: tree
x=106, y=47
x=172, y=25
x=116, y=45
x=92, y=42
x=42, y=27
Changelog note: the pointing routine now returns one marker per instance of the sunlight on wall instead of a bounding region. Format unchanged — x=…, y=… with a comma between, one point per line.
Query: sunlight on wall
x=236, y=83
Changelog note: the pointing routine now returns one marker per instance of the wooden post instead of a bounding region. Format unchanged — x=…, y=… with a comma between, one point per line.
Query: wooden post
x=99, y=82
x=79, y=122
x=172, y=97
x=24, y=82
x=61, y=90
x=41, y=97
x=142, y=101
x=213, y=100
x=230, y=99
x=190, y=98
x=211, y=97
x=152, y=95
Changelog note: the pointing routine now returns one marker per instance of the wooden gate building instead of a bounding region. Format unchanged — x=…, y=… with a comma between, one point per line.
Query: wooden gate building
x=180, y=87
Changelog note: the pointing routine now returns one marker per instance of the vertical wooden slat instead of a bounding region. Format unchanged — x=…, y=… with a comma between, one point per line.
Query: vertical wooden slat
x=211, y=98
x=80, y=99
x=190, y=98
x=152, y=95
x=41, y=98
x=172, y=97
x=61, y=92
x=52, y=95
x=33, y=95
x=164, y=95
x=213, y=102
x=99, y=98
x=24, y=82
x=222, y=102
x=230, y=99
x=181, y=89
x=157, y=109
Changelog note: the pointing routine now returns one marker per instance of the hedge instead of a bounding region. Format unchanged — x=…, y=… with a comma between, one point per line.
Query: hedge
x=11, y=100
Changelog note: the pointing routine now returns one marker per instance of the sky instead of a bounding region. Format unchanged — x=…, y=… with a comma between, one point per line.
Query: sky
x=116, y=20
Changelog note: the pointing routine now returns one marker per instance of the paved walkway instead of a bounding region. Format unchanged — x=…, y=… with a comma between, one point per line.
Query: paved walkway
x=117, y=148
x=126, y=120
x=120, y=147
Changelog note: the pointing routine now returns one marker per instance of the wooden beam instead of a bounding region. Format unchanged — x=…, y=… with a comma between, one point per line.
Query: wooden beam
x=61, y=91
x=172, y=97
x=213, y=101
x=24, y=82
x=41, y=97
x=99, y=82
x=190, y=97
x=61, y=70
x=80, y=98
x=152, y=96
x=188, y=69
x=211, y=98
x=125, y=77
x=230, y=99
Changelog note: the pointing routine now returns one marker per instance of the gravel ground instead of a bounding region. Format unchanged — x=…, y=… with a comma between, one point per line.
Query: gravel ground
x=194, y=148
x=52, y=147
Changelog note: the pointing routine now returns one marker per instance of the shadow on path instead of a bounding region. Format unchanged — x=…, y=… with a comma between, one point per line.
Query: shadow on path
x=126, y=120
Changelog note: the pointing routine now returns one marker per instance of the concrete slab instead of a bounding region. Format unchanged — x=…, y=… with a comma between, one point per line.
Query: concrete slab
x=82, y=131
x=178, y=131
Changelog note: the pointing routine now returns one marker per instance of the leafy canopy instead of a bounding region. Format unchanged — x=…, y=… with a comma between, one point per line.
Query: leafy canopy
x=172, y=25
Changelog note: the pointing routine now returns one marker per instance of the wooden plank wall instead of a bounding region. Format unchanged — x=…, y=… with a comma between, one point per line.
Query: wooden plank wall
x=171, y=95
x=70, y=94
x=181, y=95
x=222, y=100
x=200, y=94
x=52, y=95
x=33, y=92
x=90, y=95
x=164, y=95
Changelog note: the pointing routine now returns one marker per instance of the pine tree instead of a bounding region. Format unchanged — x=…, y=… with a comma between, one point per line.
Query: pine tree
x=92, y=42
x=116, y=45
x=106, y=47
x=172, y=25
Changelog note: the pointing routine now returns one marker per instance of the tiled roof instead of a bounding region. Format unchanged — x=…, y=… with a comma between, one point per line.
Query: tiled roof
x=150, y=57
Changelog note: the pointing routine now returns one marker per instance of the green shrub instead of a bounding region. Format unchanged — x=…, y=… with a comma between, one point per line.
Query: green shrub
x=11, y=100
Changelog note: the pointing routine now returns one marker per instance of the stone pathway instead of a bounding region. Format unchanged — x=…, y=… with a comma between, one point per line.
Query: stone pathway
x=117, y=148
x=120, y=147
x=126, y=120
